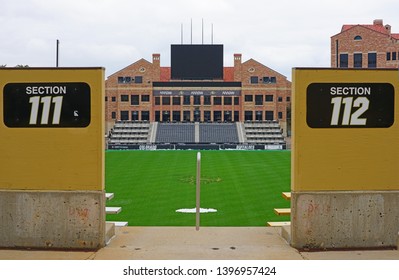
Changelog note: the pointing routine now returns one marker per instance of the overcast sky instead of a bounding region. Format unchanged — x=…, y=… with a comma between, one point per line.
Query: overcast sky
x=280, y=34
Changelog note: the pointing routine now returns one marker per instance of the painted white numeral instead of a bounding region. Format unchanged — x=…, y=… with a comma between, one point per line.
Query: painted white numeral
x=47, y=101
x=348, y=117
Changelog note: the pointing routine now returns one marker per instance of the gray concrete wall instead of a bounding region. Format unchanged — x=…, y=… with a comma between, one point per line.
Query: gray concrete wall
x=52, y=219
x=344, y=219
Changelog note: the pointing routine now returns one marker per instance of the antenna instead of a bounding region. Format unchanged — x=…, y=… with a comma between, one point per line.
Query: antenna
x=181, y=34
x=212, y=34
x=202, y=31
x=191, y=31
x=56, y=52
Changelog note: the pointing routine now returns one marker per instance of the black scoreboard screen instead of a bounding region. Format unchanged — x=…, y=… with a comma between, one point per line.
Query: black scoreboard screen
x=46, y=104
x=197, y=62
x=350, y=105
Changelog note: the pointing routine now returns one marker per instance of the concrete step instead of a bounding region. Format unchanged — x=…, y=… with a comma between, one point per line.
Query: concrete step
x=282, y=211
x=286, y=195
x=109, y=232
x=118, y=223
x=278, y=224
x=109, y=196
x=113, y=210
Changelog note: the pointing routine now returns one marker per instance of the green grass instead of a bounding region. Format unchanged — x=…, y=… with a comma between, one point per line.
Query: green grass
x=244, y=186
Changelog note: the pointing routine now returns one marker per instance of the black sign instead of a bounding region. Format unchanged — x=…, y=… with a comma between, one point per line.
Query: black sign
x=46, y=105
x=350, y=105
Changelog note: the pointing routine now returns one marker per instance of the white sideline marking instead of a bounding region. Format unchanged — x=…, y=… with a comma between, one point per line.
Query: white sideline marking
x=193, y=210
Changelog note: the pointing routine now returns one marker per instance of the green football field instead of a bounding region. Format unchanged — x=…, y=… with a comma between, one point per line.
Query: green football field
x=243, y=186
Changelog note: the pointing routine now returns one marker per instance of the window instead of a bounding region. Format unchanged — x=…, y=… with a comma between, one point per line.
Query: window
x=269, y=98
x=372, y=60
x=197, y=115
x=227, y=100
x=113, y=115
x=197, y=100
x=106, y=98
x=186, y=100
x=248, y=98
x=186, y=116
x=288, y=99
x=124, y=98
x=217, y=100
x=157, y=100
x=145, y=98
x=357, y=38
x=135, y=115
x=343, y=60
x=176, y=116
x=394, y=56
x=124, y=115
x=124, y=80
x=357, y=60
x=134, y=99
x=157, y=116
x=237, y=116
x=388, y=56
x=165, y=116
x=280, y=99
x=269, y=115
x=176, y=100
x=227, y=116
x=269, y=80
x=248, y=115
x=236, y=101
x=207, y=116
x=254, y=80
x=258, y=99
x=113, y=98
x=217, y=116
x=280, y=115
x=207, y=100
x=165, y=100
x=145, y=115
x=258, y=115
x=138, y=79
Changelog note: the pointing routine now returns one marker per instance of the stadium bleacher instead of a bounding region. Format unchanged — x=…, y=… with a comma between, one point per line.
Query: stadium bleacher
x=175, y=133
x=134, y=135
x=218, y=133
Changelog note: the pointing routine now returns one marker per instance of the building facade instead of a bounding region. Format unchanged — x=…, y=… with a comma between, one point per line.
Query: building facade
x=248, y=91
x=365, y=46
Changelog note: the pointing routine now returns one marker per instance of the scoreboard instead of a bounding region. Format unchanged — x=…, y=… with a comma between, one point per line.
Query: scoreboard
x=344, y=130
x=51, y=127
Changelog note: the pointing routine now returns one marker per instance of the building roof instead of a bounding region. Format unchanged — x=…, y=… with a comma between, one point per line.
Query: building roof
x=377, y=26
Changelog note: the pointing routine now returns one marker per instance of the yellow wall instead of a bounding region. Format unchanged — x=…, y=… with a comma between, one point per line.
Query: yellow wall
x=342, y=158
x=54, y=158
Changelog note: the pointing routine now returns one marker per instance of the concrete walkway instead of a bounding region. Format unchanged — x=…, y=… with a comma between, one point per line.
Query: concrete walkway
x=185, y=243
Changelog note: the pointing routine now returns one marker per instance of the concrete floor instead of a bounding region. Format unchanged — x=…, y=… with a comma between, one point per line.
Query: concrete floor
x=209, y=243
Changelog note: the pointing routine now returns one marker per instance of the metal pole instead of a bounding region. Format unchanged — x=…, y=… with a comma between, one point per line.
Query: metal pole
x=198, y=192
x=56, y=53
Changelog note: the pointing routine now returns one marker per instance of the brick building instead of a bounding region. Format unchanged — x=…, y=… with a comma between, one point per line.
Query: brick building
x=248, y=91
x=365, y=46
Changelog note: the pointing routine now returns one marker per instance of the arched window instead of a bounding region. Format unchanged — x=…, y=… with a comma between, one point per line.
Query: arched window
x=357, y=38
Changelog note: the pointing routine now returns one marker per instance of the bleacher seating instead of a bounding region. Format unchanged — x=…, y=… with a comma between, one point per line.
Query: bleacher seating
x=218, y=133
x=266, y=132
x=175, y=133
x=125, y=132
